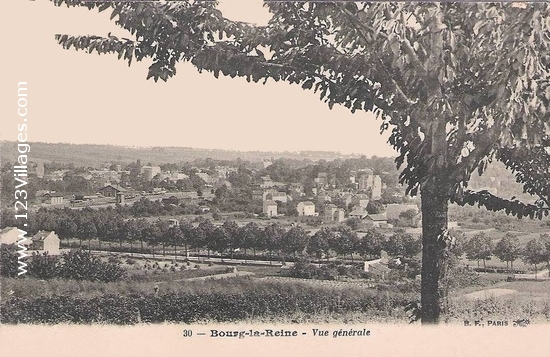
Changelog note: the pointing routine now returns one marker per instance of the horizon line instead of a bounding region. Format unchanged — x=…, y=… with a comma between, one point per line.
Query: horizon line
x=136, y=147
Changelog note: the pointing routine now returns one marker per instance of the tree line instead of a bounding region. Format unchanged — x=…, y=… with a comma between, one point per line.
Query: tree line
x=481, y=247
x=111, y=227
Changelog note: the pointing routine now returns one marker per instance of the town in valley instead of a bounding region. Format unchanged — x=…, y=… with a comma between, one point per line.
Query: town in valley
x=231, y=236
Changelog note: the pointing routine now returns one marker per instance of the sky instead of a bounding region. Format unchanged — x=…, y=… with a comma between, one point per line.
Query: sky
x=75, y=97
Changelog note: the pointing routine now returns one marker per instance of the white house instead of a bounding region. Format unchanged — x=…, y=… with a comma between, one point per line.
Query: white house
x=334, y=214
x=270, y=208
x=306, y=208
x=377, y=220
x=10, y=235
x=46, y=241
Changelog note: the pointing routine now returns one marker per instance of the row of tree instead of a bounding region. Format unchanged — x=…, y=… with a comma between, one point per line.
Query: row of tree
x=508, y=249
x=111, y=227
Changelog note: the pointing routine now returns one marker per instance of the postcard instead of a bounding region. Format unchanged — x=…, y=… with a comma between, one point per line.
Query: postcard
x=275, y=178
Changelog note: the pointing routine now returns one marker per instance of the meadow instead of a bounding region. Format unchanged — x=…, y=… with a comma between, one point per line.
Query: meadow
x=163, y=290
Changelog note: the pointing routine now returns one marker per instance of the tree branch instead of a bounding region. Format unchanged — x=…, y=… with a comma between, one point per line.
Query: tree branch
x=414, y=58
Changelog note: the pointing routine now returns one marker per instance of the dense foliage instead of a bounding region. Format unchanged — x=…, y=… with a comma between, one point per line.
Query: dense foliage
x=201, y=307
x=112, y=228
x=8, y=260
x=75, y=265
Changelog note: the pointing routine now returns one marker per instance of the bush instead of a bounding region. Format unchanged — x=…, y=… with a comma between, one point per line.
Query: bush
x=354, y=223
x=328, y=273
x=8, y=260
x=81, y=265
x=303, y=269
x=44, y=266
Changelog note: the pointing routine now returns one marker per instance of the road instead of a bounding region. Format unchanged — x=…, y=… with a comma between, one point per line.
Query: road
x=218, y=260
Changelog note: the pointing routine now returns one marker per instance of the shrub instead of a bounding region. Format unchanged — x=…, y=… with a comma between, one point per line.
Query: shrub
x=328, y=273
x=303, y=269
x=8, y=260
x=44, y=266
x=81, y=265
x=354, y=223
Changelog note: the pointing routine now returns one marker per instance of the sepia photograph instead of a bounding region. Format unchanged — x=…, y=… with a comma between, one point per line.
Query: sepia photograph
x=275, y=177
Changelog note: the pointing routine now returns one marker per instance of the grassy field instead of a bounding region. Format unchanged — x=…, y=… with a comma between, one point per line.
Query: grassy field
x=530, y=300
x=165, y=281
x=237, y=299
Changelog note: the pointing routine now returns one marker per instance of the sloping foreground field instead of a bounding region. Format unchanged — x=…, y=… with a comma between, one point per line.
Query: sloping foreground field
x=244, y=299
x=227, y=300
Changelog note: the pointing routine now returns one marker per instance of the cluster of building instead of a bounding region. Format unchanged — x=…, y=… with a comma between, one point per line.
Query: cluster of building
x=334, y=201
x=338, y=203
x=42, y=241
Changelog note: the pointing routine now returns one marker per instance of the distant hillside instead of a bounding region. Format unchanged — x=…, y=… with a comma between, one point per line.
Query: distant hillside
x=497, y=178
x=96, y=155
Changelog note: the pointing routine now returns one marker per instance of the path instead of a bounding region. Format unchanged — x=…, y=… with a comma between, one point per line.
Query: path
x=331, y=283
x=540, y=275
x=488, y=293
x=201, y=259
x=219, y=276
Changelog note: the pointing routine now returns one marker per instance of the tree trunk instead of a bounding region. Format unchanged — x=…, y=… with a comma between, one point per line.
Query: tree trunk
x=434, y=191
x=434, y=222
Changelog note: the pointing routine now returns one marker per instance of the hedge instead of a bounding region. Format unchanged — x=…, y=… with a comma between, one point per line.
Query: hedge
x=188, y=308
